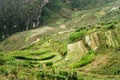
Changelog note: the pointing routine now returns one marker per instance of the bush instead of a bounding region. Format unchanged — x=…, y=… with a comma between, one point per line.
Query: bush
x=40, y=75
x=77, y=35
x=63, y=48
x=81, y=28
x=0, y=50
x=73, y=76
x=2, y=60
x=3, y=71
x=63, y=73
x=111, y=26
x=49, y=64
x=14, y=71
x=59, y=77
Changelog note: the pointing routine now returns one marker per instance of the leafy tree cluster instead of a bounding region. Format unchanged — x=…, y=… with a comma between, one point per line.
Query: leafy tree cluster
x=51, y=10
x=87, y=4
x=18, y=15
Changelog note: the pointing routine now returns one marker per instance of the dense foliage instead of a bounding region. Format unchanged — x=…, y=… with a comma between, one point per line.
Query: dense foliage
x=20, y=15
x=51, y=10
x=87, y=4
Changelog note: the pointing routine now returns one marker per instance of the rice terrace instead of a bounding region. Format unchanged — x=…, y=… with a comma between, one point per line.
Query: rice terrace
x=59, y=39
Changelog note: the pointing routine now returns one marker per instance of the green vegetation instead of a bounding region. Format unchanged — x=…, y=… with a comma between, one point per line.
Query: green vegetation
x=3, y=71
x=49, y=64
x=61, y=47
x=84, y=60
x=36, y=57
x=111, y=67
x=62, y=50
x=87, y=4
x=26, y=16
x=37, y=60
x=50, y=11
x=77, y=35
x=18, y=15
x=110, y=24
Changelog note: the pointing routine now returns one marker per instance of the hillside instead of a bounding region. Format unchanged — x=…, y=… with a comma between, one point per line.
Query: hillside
x=81, y=44
x=22, y=15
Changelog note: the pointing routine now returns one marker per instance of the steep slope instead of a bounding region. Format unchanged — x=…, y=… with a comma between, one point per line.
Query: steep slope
x=19, y=16
x=87, y=18
x=23, y=39
x=48, y=53
x=86, y=47
x=23, y=15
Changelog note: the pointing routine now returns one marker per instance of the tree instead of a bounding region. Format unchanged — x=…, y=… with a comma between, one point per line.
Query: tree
x=18, y=15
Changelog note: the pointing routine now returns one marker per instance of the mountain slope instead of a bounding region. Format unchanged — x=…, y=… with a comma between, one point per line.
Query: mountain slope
x=83, y=47
x=23, y=15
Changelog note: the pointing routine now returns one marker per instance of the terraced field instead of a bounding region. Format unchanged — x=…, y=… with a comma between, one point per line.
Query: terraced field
x=86, y=47
x=60, y=58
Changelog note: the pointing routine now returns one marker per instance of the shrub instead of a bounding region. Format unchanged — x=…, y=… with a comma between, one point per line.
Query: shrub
x=63, y=73
x=41, y=75
x=2, y=60
x=59, y=77
x=111, y=26
x=0, y=50
x=81, y=28
x=20, y=57
x=63, y=48
x=49, y=64
x=14, y=71
x=77, y=35
x=27, y=64
x=40, y=65
x=73, y=76
x=3, y=71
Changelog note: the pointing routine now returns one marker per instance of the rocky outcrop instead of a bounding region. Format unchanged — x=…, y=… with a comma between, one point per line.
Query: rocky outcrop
x=92, y=40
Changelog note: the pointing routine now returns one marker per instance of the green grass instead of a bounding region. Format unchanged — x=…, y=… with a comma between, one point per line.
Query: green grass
x=27, y=62
x=112, y=67
x=62, y=47
x=77, y=35
x=84, y=60
x=40, y=52
x=45, y=57
x=28, y=52
x=49, y=64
